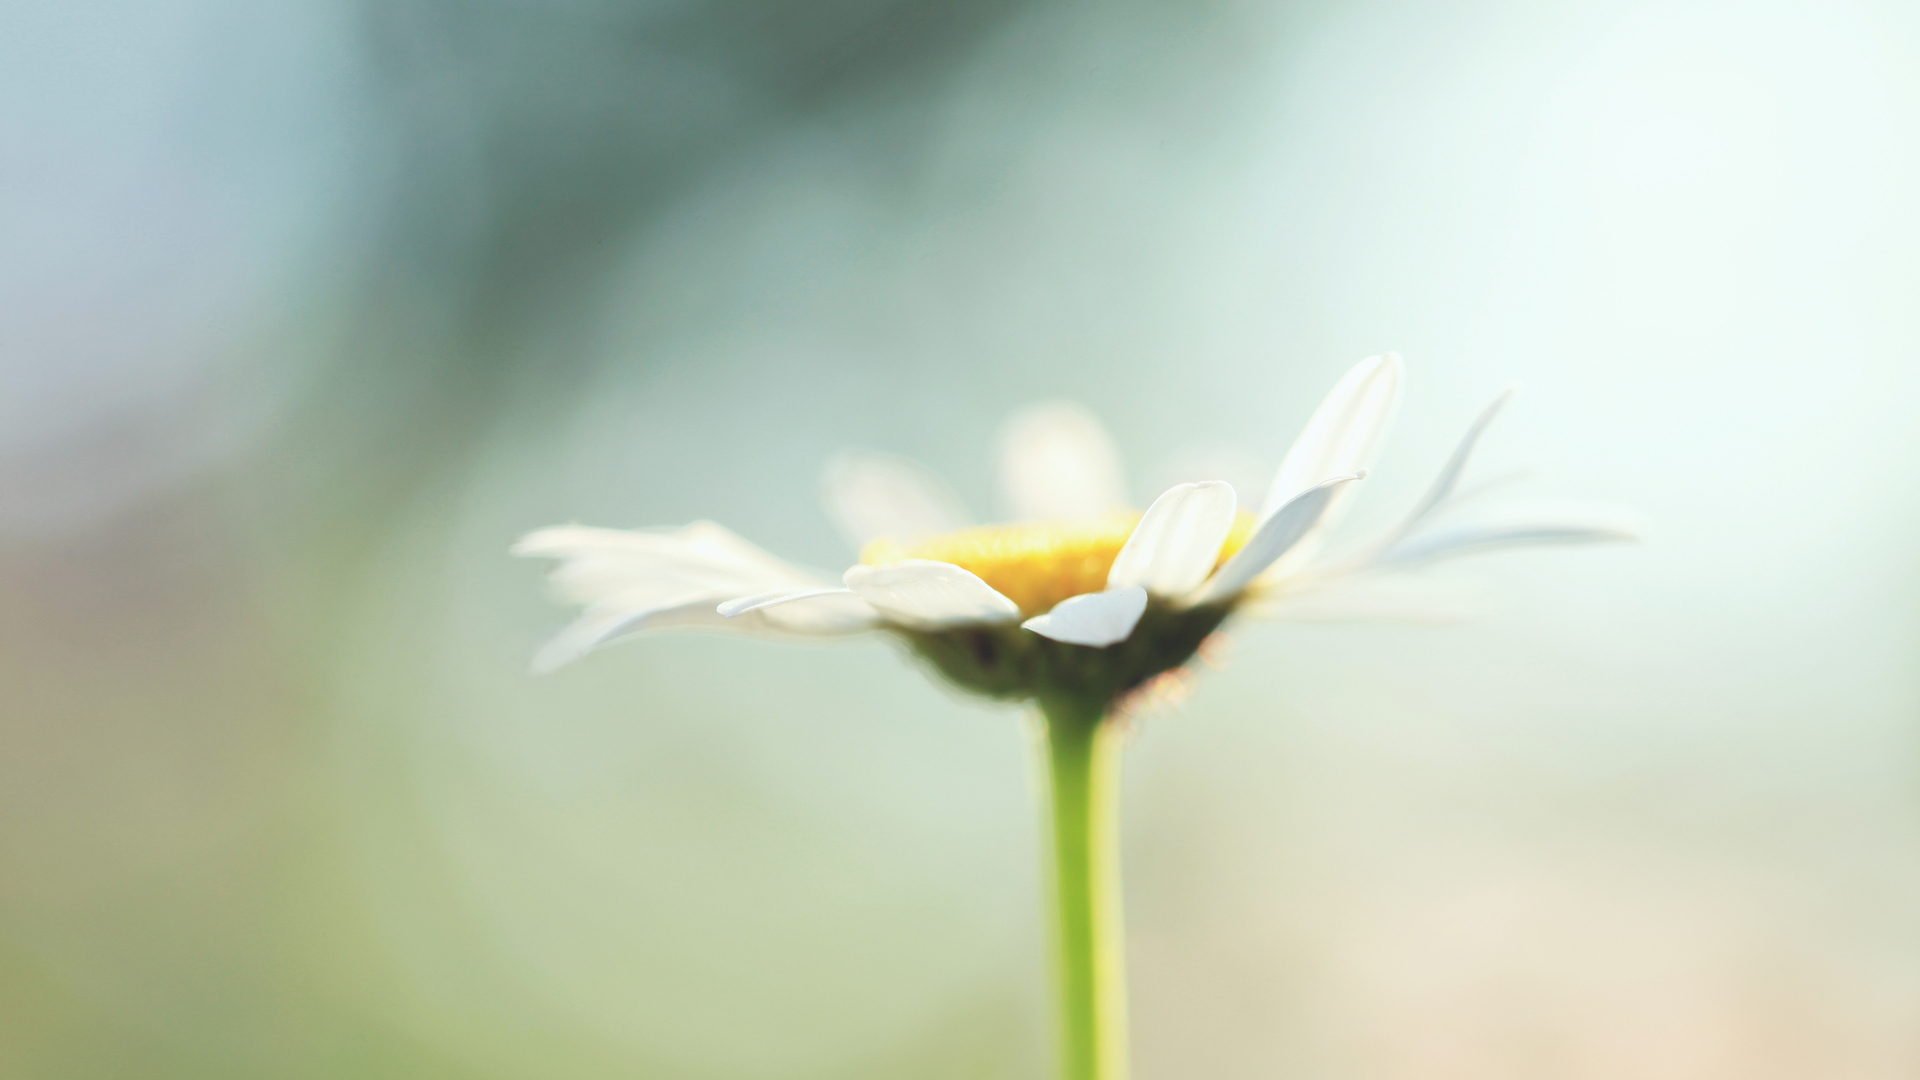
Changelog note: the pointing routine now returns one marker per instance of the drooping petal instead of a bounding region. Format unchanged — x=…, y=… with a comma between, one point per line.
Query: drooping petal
x=828, y=613
x=1343, y=433
x=589, y=581
x=1444, y=484
x=741, y=605
x=871, y=495
x=596, y=562
x=835, y=613
x=804, y=611
x=599, y=624
x=701, y=539
x=1057, y=463
x=636, y=580
x=1176, y=544
x=821, y=614
x=1273, y=539
x=1469, y=539
x=1096, y=619
x=928, y=595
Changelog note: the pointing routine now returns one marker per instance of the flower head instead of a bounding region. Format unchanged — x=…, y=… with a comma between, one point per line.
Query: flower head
x=1083, y=597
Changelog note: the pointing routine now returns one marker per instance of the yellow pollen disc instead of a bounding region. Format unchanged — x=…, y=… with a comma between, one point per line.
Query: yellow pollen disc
x=1039, y=564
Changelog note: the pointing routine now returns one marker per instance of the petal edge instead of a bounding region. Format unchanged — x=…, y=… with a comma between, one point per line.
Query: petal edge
x=1092, y=619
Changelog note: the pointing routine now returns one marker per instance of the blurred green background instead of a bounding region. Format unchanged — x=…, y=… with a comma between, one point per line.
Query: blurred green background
x=308, y=309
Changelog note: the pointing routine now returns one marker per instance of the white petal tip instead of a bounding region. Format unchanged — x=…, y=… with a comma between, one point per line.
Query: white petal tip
x=533, y=545
x=1390, y=361
x=549, y=660
x=929, y=594
x=739, y=606
x=1096, y=620
x=1178, y=540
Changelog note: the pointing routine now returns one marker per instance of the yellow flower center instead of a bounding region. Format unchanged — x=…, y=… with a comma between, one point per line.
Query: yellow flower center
x=1039, y=564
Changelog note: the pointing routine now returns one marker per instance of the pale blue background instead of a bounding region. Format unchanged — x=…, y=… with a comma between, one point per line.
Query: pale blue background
x=306, y=311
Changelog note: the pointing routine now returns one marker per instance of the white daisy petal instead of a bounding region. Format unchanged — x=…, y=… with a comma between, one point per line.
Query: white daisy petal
x=560, y=541
x=606, y=559
x=836, y=611
x=872, y=495
x=590, y=581
x=1057, y=463
x=1096, y=619
x=1273, y=539
x=1176, y=544
x=1449, y=478
x=572, y=541
x=1343, y=433
x=741, y=605
x=925, y=594
x=600, y=624
x=1469, y=539
x=817, y=613
x=579, y=637
x=830, y=614
x=636, y=580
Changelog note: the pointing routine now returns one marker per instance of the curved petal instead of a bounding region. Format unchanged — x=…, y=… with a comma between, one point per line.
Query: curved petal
x=828, y=613
x=657, y=578
x=593, y=581
x=1274, y=538
x=598, y=563
x=1096, y=619
x=871, y=495
x=702, y=542
x=821, y=614
x=1176, y=544
x=928, y=595
x=1468, y=539
x=600, y=624
x=1449, y=478
x=1343, y=433
x=1056, y=462
x=741, y=605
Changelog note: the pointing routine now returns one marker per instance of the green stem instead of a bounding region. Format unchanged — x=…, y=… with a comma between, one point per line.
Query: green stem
x=1083, y=758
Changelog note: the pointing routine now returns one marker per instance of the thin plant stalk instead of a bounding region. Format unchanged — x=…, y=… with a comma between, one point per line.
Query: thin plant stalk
x=1083, y=750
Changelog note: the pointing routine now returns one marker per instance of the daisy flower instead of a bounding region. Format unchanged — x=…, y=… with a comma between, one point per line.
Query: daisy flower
x=1075, y=604
x=1081, y=596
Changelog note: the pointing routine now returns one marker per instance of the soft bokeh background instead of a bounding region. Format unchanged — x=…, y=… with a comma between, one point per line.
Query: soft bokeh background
x=307, y=309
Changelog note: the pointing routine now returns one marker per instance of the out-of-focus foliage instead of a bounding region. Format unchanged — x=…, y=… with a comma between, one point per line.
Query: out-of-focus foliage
x=308, y=309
